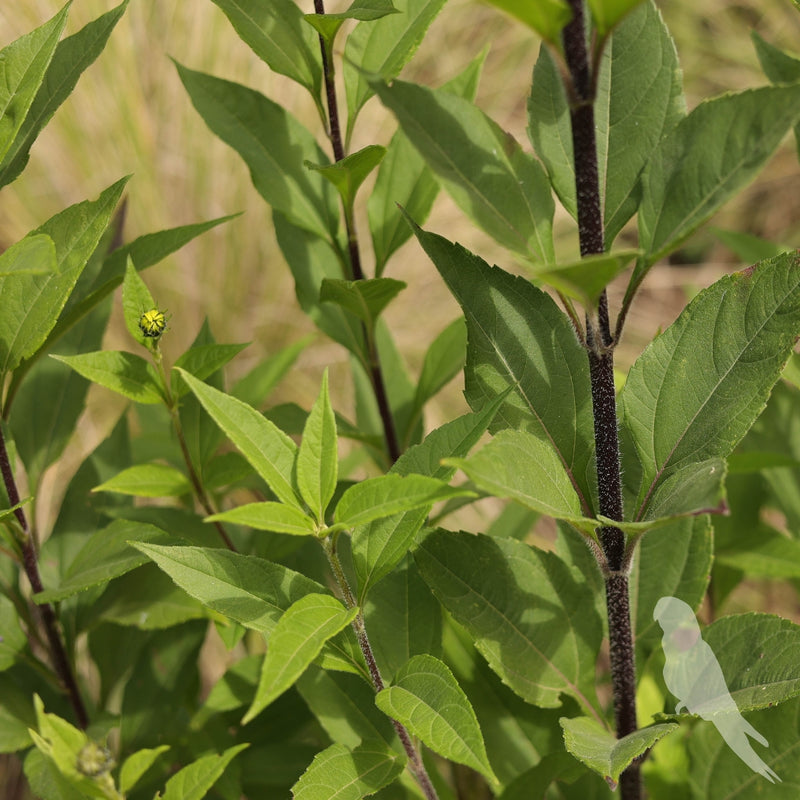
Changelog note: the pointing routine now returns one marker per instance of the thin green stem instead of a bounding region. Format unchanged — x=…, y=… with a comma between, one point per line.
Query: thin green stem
x=58, y=651
x=374, y=369
x=414, y=759
x=600, y=350
x=194, y=478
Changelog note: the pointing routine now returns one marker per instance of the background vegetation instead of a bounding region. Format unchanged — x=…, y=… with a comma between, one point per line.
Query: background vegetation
x=130, y=113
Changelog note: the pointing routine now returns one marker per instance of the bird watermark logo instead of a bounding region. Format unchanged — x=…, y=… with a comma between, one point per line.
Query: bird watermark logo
x=693, y=674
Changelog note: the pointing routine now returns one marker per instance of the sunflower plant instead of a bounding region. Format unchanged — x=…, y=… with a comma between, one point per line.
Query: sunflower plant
x=376, y=646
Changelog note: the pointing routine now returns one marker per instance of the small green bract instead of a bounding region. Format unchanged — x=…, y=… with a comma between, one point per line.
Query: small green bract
x=152, y=323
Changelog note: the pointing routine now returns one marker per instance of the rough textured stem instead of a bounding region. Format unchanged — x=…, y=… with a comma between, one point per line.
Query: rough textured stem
x=357, y=272
x=194, y=478
x=58, y=652
x=600, y=343
x=199, y=491
x=414, y=760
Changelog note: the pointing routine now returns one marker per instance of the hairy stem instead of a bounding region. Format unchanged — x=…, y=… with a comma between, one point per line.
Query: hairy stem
x=414, y=759
x=197, y=485
x=600, y=344
x=194, y=478
x=58, y=651
x=374, y=369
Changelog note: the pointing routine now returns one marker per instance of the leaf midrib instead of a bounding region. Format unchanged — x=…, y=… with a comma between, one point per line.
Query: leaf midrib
x=660, y=470
x=577, y=692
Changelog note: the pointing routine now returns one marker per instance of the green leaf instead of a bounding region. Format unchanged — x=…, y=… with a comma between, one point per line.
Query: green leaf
x=601, y=751
x=676, y=562
x=233, y=690
x=639, y=98
x=344, y=706
x=247, y=589
x=529, y=615
x=271, y=452
x=519, y=338
x=748, y=248
x=23, y=65
x=585, y=279
x=776, y=431
x=744, y=541
x=148, y=600
x=136, y=764
x=348, y=174
x=546, y=17
x=255, y=387
x=148, y=480
x=365, y=298
x=34, y=255
x=144, y=252
x=276, y=517
x=399, y=391
x=12, y=638
x=297, y=640
x=166, y=662
x=772, y=555
x=641, y=88
x=717, y=772
x=45, y=398
x=383, y=48
x=390, y=494
x=32, y=303
x=758, y=654
x=71, y=58
x=362, y=10
x=136, y=300
x=341, y=774
x=125, y=373
x=711, y=154
x=378, y=547
x=318, y=457
x=106, y=555
x=278, y=35
x=501, y=188
x=695, y=488
x=312, y=260
x=273, y=144
x=403, y=619
x=194, y=781
x=65, y=746
x=444, y=359
x=518, y=466
x=426, y=698
x=516, y=733
x=46, y=780
x=404, y=181
x=607, y=13
x=779, y=67
x=203, y=360
x=328, y=25
x=713, y=369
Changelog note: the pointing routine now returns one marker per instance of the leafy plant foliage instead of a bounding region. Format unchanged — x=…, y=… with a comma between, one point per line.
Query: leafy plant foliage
x=376, y=648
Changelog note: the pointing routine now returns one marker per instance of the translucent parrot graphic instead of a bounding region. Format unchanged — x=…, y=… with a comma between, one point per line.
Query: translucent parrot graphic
x=692, y=673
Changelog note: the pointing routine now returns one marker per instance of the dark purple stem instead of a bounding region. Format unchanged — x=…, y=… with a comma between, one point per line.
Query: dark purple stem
x=414, y=759
x=58, y=652
x=374, y=370
x=600, y=344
